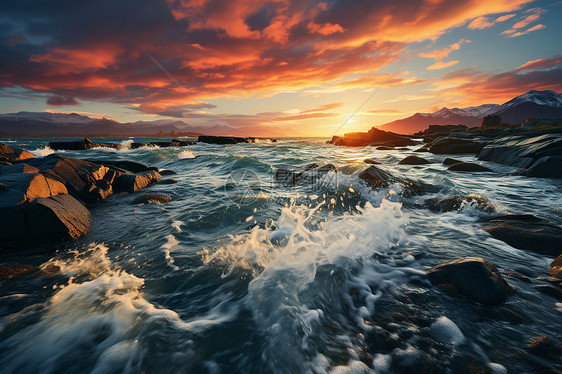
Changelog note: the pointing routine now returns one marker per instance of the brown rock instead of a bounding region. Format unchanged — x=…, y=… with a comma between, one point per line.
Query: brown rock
x=136, y=182
x=371, y=161
x=14, y=154
x=151, y=198
x=14, y=270
x=450, y=161
x=167, y=181
x=414, y=160
x=468, y=166
x=556, y=267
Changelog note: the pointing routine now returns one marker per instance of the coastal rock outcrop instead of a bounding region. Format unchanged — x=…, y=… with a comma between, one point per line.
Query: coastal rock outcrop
x=450, y=161
x=372, y=137
x=458, y=202
x=136, y=182
x=525, y=231
x=10, y=154
x=473, y=277
x=376, y=177
x=449, y=145
x=229, y=139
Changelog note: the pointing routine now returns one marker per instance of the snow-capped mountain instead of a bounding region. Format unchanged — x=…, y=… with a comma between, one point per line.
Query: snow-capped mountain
x=533, y=104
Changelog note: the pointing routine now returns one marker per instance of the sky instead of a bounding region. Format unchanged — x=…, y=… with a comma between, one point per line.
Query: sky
x=274, y=67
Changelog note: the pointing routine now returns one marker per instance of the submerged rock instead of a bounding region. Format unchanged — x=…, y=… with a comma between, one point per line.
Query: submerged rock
x=371, y=161
x=224, y=139
x=15, y=270
x=167, y=181
x=414, y=160
x=151, y=198
x=376, y=177
x=457, y=202
x=468, y=166
x=451, y=161
x=167, y=172
x=525, y=231
x=473, y=277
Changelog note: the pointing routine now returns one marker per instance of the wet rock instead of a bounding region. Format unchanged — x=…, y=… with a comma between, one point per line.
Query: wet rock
x=167, y=181
x=454, y=146
x=545, y=346
x=525, y=231
x=25, y=187
x=224, y=139
x=151, y=198
x=80, y=145
x=556, y=267
x=545, y=167
x=468, y=166
x=474, y=277
x=132, y=166
x=385, y=148
x=457, y=202
x=136, y=182
x=15, y=270
x=165, y=172
x=521, y=277
x=10, y=154
x=371, y=161
x=511, y=316
x=450, y=161
x=550, y=290
x=19, y=168
x=376, y=177
x=414, y=160
x=313, y=173
x=372, y=137
x=45, y=219
x=422, y=149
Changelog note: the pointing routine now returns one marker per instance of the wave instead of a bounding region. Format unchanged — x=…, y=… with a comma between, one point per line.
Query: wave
x=42, y=152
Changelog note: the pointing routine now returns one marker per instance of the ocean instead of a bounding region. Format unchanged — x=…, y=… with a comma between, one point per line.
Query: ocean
x=242, y=273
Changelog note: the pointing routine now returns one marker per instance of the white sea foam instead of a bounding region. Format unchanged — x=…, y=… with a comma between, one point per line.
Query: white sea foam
x=42, y=152
x=171, y=242
x=177, y=225
x=286, y=262
x=446, y=331
x=101, y=309
x=126, y=145
x=186, y=153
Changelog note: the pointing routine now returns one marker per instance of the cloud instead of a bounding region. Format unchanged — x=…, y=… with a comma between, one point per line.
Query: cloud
x=534, y=28
x=484, y=22
x=385, y=112
x=441, y=65
x=62, y=101
x=541, y=63
x=442, y=53
x=96, y=51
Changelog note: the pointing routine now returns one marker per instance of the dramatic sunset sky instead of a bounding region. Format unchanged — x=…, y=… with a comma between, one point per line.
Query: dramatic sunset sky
x=277, y=67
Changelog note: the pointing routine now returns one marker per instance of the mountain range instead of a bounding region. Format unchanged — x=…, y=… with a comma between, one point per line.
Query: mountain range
x=533, y=104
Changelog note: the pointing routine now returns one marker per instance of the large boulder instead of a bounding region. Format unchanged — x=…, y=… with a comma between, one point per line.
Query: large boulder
x=20, y=168
x=468, y=166
x=372, y=137
x=19, y=188
x=544, y=167
x=458, y=202
x=525, y=231
x=45, y=219
x=473, y=277
x=224, y=139
x=14, y=154
x=414, y=160
x=376, y=177
x=136, y=182
x=132, y=166
x=80, y=145
x=449, y=145
x=450, y=161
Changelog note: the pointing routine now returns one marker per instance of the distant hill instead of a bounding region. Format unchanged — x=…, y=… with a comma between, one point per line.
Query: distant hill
x=533, y=104
x=44, y=124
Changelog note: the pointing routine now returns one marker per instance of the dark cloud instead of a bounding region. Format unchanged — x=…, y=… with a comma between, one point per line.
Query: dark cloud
x=62, y=101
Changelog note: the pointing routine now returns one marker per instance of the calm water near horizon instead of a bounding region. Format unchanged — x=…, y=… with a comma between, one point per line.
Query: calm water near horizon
x=241, y=274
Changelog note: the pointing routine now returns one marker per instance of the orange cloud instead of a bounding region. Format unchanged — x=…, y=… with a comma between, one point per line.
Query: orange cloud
x=541, y=63
x=442, y=53
x=534, y=28
x=484, y=22
x=325, y=29
x=441, y=65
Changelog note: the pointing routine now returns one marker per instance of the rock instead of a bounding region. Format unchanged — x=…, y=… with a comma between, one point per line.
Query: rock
x=474, y=278
x=385, y=148
x=525, y=231
x=135, y=182
x=167, y=181
x=20, y=168
x=556, y=267
x=80, y=145
x=449, y=145
x=440, y=129
x=450, y=161
x=151, y=198
x=468, y=166
x=312, y=173
x=132, y=166
x=549, y=290
x=544, y=167
x=376, y=177
x=491, y=121
x=414, y=160
x=46, y=219
x=544, y=346
x=372, y=137
x=15, y=270
x=14, y=154
x=422, y=149
x=25, y=187
x=457, y=202
x=167, y=172
x=371, y=161
x=224, y=139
